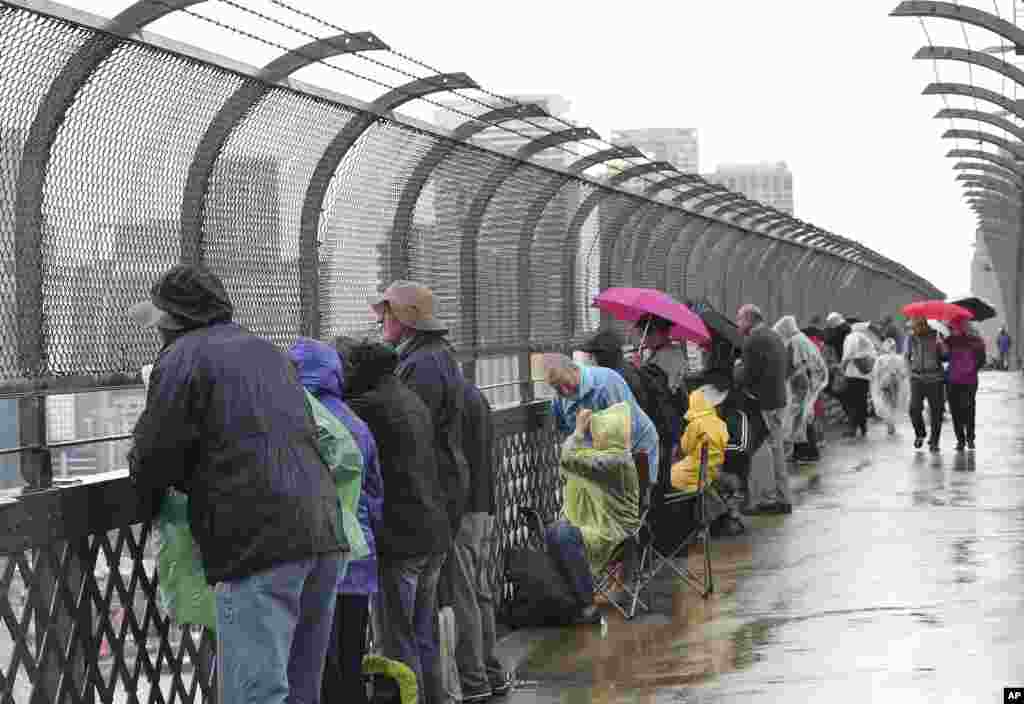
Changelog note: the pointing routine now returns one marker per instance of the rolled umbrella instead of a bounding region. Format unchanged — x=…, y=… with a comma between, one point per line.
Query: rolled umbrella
x=981, y=308
x=633, y=304
x=937, y=310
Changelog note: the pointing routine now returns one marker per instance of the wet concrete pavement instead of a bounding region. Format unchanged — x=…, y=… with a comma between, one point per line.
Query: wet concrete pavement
x=899, y=577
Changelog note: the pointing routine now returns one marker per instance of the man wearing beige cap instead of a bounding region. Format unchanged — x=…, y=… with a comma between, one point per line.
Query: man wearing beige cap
x=407, y=317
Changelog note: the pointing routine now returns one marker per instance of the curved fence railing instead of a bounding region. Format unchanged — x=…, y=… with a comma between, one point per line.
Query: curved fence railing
x=123, y=153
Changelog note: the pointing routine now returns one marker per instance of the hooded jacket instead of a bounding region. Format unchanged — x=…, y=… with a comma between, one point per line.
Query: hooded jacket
x=807, y=378
x=764, y=369
x=428, y=367
x=966, y=357
x=415, y=520
x=226, y=422
x=322, y=373
x=858, y=345
x=704, y=427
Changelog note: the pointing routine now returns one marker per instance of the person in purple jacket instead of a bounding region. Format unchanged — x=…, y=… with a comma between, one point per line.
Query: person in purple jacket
x=321, y=371
x=966, y=357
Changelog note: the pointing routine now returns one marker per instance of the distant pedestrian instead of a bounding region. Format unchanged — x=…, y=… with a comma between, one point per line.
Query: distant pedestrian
x=807, y=377
x=226, y=422
x=966, y=358
x=762, y=373
x=859, y=353
x=925, y=354
x=414, y=536
x=1003, y=343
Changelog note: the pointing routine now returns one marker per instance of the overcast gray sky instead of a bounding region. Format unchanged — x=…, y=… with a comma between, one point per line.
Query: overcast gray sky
x=829, y=87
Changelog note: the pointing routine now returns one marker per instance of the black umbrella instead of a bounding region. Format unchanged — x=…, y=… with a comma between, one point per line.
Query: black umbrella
x=718, y=323
x=981, y=308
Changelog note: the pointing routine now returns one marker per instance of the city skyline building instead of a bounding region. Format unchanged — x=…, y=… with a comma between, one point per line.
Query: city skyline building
x=769, y=182
x=677, y=145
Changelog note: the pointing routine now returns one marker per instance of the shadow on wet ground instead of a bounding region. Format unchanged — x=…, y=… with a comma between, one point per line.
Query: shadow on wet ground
x=899, y=577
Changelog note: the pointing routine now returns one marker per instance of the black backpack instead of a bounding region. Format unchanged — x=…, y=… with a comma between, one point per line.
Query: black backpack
x=541, y=592
x=665, y=407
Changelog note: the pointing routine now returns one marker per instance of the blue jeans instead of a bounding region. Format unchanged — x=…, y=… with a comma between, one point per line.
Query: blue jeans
x=565, y=543
x=273, y=628
x=406, y=619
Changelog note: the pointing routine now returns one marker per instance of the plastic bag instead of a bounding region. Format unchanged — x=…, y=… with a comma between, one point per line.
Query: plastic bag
x=184, y=593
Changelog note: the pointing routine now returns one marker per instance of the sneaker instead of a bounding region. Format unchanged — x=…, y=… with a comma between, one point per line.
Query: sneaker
x=808, y=459
x=892, y=430
x=476, y=695
x=933, y=448
x=918, y=442
x=970, y=446
x=849, y=434
x=960, y=447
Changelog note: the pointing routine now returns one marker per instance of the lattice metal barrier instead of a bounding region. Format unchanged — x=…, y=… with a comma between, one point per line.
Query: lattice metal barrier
x=81, y=619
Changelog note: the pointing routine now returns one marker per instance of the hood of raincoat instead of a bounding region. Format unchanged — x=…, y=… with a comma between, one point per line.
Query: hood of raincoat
x=889, y=346
x=320, y=371
x=787, y=327
x=699, y=406
x=610, y=429
x=834, y=320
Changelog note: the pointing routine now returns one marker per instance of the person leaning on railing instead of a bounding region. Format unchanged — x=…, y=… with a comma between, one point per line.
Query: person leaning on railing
x=226, y=422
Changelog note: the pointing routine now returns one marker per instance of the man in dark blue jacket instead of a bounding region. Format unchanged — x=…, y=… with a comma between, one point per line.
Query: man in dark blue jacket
x=226, y=423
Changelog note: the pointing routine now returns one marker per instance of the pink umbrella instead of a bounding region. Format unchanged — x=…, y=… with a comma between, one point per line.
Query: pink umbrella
x=632, y=304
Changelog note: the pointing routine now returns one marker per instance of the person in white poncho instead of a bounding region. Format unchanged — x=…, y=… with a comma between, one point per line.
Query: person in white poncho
x=890, y=384
x=859, y=354
x=807, y=378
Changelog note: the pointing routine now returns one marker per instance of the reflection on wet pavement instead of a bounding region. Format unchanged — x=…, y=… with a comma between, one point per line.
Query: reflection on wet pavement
x=898, y=578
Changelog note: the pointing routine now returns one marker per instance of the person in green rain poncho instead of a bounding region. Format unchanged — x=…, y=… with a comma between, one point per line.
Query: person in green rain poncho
x=602, y=499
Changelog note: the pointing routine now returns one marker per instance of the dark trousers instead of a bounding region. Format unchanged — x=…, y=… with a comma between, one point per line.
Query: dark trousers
x=962, y=408
x=343, y=668
x=809, y=449
x=935, y=392
x=856, y=402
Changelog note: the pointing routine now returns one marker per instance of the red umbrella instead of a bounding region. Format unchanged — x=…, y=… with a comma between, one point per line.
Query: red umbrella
x=632, y=304
x=937, y=310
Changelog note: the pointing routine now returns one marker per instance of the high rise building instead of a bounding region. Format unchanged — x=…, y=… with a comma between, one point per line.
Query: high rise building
x=676, y=145
x=770, y=183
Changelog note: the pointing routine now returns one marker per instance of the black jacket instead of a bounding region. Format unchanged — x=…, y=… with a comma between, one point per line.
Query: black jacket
x=226, y=422
x=765, y=363
x=478, y=443
x=415, y=516
x=428, y=367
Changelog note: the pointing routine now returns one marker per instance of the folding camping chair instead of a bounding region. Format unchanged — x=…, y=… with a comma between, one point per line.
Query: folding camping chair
x=624, y=570
x=666, y=543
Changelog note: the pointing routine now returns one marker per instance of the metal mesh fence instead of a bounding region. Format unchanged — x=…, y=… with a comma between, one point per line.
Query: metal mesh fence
x=109, y=175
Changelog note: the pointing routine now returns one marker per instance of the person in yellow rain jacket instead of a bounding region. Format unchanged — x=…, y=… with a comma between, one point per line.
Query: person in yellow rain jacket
x=703, y=427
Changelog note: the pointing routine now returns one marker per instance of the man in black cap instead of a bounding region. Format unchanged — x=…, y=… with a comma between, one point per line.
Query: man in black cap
x=226, y=422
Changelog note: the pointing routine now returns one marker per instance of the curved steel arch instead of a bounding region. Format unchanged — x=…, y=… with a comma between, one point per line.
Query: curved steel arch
x=401, y=226
x=715, y=200
x=757, y=210
x=802, y=283
x=980, y=116
x=234, y=111
x=327, y=165
x=701, y=191
x=767, y=218
x=35, y=163
x=977, y=135
x=977, y=58
x=655, y=258
x=731, y=254
x=995, y=184
x=961, y=13
x=651, y=167
x=975, y=92
x=997, y=159
x=989, y=169
x=578, y=167
x=670, y=182
x=473, y=223
x=752, y=287
x=733, y=206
